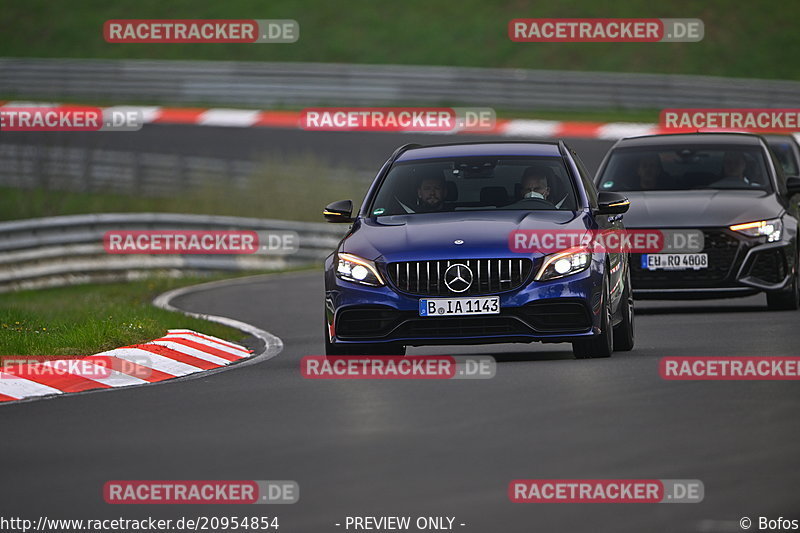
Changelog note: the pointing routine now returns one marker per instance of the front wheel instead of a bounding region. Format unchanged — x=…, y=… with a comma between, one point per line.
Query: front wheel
x=600, y=345
x=624, y=331
x=788, y=300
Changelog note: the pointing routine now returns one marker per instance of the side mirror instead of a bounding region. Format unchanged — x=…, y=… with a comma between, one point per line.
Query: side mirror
x=612, y=203
x=793, y=185
x=340, y=211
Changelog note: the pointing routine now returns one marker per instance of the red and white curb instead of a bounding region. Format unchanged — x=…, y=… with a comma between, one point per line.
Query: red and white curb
x=245, y=118
x=179, y=353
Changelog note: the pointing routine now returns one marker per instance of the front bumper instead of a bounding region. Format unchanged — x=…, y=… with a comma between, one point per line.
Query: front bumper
x=738, y=266
x=554, y=311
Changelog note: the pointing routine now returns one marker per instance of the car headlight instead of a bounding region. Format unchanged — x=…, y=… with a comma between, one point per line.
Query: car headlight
x=350, y=267
x=771, y=229
x=566, y=263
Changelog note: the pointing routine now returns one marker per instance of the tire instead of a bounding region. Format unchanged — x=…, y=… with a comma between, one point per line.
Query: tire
x=624, y=331
x=600, y=345
x=361, y=349
x=788, y=300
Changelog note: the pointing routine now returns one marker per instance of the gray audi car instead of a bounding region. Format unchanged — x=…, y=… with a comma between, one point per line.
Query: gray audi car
x=730, y=187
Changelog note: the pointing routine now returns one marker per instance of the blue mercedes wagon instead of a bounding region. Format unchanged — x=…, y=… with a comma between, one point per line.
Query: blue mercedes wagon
x=428, y=257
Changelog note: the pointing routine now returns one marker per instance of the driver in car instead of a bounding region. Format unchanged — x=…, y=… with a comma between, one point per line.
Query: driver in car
x=649, y=172
x=535, y=184
x=733, y=171
x=430, y=194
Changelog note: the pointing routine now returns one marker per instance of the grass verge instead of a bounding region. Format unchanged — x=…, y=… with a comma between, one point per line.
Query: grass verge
x=742, y=39
x=87, y=319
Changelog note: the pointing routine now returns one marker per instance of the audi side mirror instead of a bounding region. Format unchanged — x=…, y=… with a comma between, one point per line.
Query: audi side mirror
x=793, y=185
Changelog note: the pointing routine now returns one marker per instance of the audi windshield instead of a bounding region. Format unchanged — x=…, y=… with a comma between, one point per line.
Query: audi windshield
x=686, y=167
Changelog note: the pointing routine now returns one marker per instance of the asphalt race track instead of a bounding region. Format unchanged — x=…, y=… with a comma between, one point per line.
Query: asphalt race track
x=438, y=448
x=431, y=448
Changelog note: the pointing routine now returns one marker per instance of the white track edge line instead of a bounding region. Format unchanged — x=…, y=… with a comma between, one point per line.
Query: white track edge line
x=273, y=345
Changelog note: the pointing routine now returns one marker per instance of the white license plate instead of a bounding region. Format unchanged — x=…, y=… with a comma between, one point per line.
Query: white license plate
x=489, y=305
x=674, y=261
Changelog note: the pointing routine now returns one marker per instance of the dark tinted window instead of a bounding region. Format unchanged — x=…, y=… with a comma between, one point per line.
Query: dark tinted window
x=783, y=151
x=686, y=168
x=484, y=183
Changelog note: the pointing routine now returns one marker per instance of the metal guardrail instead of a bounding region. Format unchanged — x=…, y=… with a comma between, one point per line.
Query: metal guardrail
x=67, y=250
x=258, y=84
x=89, y=169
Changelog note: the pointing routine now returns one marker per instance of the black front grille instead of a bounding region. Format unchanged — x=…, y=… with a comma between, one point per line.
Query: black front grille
x=557, y=316
x=366, y=322
x=462, y=327
x=489, y=276
x=721, y=248
x=545, y=316
x=769, y=266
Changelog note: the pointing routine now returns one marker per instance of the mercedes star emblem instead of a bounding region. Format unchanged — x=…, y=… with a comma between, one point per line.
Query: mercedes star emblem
x=458, y=277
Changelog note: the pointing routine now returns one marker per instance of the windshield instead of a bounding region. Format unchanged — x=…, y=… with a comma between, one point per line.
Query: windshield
x=783, y=151
x=685, y=168
x=475, y=184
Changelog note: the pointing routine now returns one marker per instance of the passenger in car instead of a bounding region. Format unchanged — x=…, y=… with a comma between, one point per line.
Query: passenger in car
x=535, y=183
x=734, y=172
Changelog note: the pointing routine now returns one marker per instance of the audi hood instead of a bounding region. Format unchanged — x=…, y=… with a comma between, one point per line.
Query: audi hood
x=699, y=208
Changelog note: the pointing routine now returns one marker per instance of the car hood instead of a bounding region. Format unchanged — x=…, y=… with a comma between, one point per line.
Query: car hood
x=431, y=236
x=698, y=208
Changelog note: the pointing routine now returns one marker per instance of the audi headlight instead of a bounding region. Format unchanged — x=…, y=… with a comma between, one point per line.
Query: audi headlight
x=350, y=267
x=566, y=263
x=771, y=229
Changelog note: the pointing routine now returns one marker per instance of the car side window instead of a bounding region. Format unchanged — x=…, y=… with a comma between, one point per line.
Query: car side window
x=591, y=191
x=780, y=176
